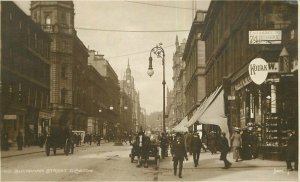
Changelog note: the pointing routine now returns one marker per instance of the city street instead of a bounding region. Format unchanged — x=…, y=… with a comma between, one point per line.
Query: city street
x=112, y=163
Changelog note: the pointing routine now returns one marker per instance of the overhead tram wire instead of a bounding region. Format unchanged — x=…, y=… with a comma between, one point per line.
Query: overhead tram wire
x=131, y=31
x=135, y=53
x=165, y=6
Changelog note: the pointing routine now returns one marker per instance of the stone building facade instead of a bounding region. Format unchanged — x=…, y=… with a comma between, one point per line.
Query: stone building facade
x=179, y=74
x=109, y=103
x=269, y=108
x=194, y=58
x=25, y=75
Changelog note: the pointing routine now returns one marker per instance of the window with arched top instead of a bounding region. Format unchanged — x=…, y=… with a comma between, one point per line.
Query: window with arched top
x=48, y=20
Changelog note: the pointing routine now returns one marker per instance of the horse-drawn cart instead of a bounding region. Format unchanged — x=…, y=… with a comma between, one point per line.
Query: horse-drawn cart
x=59, y=138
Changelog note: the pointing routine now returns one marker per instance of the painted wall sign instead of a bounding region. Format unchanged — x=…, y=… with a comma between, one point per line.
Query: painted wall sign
x=258, y=70
x=265, y=37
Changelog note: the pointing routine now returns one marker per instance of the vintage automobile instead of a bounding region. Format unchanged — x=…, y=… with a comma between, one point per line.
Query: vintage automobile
x=59, y=138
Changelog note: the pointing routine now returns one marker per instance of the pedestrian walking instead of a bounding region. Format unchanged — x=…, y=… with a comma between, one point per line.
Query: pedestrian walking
x=212, y=142
x=19, y=140
x=98, y=140
x=4, y=140
x=236, y=143
x=178, y=153
x=79, y=139
x=254, y=144
x=292, y=151
x=224, y=148
x=90, y=139
x=196, y=145
x=246, y=145
x=187, y=142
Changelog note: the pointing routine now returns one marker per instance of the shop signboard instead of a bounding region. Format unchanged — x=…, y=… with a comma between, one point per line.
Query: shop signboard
x=258, y=70
x=10, y=117
x=273, y=67
x=265, y=37
x=231, y=97
x=242, y=82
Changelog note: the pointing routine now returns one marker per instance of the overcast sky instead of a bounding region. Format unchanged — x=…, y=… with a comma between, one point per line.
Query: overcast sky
x=127, y=15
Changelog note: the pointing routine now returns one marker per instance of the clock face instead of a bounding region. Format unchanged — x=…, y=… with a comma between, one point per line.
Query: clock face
x=128, y=81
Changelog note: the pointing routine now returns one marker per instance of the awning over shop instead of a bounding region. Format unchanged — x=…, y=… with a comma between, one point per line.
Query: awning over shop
x=181, y=126
x=212, y=112
x=203, y=106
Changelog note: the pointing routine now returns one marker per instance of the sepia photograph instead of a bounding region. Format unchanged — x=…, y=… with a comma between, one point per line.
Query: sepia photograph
x=149, y=90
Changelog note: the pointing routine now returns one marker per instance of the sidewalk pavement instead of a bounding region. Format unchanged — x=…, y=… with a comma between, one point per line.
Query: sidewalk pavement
x=13, y=151
x=210, y=169
x=208, y=160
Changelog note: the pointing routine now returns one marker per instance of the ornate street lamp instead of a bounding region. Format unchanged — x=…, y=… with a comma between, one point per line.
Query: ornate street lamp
x=160, y=53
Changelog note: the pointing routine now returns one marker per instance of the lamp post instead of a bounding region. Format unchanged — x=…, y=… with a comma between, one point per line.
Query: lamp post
x=160, y=53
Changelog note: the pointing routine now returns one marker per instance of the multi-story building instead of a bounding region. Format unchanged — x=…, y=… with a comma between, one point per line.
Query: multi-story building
x=194, y=58
x=25, y=75
x=269, y=108
x=126, y=108
x=110, y=104
x=97, y=99
x=179, y=81
x=170, y=110
x=128, y=87
x=68, y=58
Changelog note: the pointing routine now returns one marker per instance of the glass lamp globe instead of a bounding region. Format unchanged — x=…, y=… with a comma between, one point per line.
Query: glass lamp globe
x=150, y=72
x=111, y=108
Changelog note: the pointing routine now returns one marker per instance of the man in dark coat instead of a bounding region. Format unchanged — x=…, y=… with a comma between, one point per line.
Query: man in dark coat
x=195, y=146
x=178, y=153
x=224, y=148
x=292, y=151
x=246, y=145
x=20, y=141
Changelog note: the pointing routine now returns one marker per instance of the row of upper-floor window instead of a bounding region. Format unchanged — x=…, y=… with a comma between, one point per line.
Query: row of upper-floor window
x=25, y=94
x=191, y=63
x=48, y=17
x=269, y=16
x=236, y=54
x=191, y=94
x=26, y=64
x=20, y=31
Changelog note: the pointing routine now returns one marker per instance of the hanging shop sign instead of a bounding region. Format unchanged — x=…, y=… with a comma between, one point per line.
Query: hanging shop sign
x=258, y=70
x=265, y=37
x=273, y=67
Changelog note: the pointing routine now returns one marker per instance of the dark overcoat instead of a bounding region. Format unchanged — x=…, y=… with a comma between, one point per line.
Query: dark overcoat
x=178, y=149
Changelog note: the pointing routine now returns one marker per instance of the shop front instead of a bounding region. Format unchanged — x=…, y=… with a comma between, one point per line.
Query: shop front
x=267, y=110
